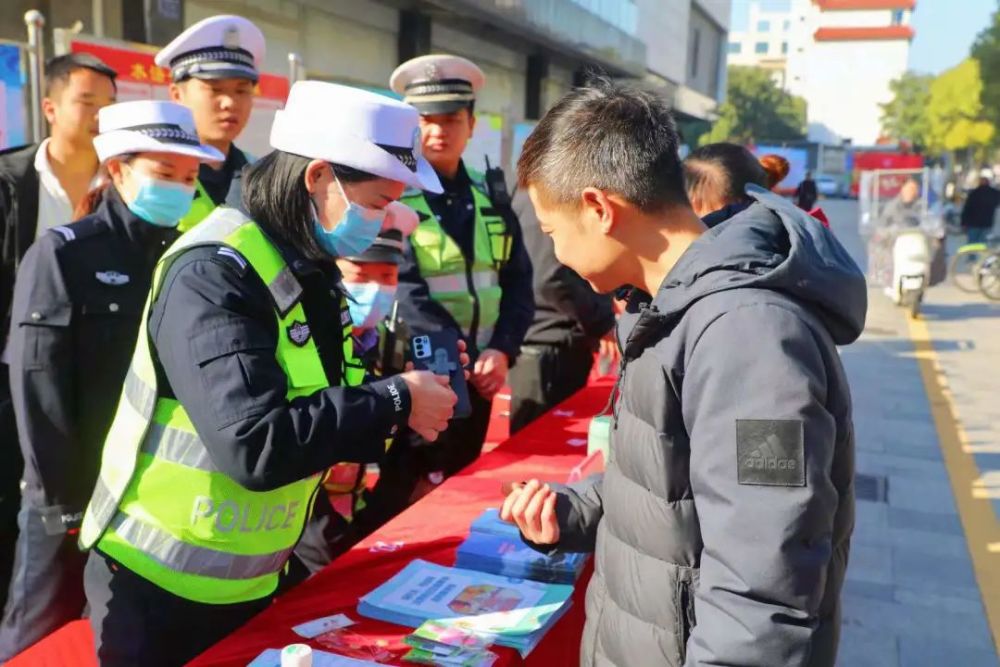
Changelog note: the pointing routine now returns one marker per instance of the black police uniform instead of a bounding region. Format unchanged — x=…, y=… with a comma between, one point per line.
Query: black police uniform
x=223, y=184
x=461, y=444
x=214, y=334
x=78, y=298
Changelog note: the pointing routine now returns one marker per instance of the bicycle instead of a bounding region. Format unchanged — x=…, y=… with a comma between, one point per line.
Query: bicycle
x=963, y=270
x=988, y=276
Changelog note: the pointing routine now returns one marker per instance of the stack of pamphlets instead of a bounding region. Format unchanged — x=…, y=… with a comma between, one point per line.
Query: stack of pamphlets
x=491, y=547
x=518, y=612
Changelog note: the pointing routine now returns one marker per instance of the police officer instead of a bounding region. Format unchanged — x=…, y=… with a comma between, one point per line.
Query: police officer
x=235, y=402
x=465, y=266
x=214, y=67
x=339, y=519
x=77, y=302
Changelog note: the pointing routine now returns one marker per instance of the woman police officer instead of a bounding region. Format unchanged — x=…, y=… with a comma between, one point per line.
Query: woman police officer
x=82, y=286
x=235, y=404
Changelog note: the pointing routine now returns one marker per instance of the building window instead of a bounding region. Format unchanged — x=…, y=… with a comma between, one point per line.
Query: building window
x=787, y=26
x=784, y=48
x=695, y=49
x=897, y=17
x=735, y=48
x=763, y=26
x=760, y=48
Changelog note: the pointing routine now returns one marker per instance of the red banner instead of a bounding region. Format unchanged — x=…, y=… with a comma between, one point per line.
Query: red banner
x=136, y=66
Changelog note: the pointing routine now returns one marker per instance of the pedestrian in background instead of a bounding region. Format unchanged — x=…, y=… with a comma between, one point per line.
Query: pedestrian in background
x=79, y=295
x=806, y=194
x=722, y=524
x=40, y=186
x=777, y=169
x=979, y=210
x=716, y=176
x=572, y=323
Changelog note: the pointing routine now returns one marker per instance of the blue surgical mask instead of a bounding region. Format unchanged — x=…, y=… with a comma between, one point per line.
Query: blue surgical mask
x=354, y=233
x=159, y=202
x=370, y=303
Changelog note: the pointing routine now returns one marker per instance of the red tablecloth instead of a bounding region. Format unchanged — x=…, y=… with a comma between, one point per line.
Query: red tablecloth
x=432, y=529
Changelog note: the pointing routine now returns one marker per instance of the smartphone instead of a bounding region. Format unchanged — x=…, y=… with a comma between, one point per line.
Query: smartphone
x=438, y=353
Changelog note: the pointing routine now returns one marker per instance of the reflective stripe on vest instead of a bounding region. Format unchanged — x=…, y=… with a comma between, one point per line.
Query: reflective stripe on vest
x=201, y=208
x=443, y=266
x=161, y=507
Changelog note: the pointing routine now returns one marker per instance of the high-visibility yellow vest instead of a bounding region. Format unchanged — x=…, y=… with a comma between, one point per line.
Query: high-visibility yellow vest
x=160, y=507
x=466, y=291
x=201, y=208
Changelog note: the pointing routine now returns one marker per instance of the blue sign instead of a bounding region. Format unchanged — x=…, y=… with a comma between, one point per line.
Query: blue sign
x=13, y=108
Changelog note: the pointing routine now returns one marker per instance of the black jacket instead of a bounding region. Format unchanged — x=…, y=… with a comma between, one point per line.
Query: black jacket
x=18, y=218
x=980, y=207
x=722, y=524
x=455, y=210
x=77, y=303
x=566, y=307
x=214, y=335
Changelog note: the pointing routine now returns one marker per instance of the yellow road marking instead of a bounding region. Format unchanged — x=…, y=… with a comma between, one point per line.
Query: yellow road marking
x=973, y=491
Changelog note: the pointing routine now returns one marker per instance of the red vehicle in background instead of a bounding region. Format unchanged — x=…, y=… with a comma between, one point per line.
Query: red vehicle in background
x=883, y=160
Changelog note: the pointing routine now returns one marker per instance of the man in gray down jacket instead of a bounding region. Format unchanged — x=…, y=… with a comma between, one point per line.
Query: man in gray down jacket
x=722, y=523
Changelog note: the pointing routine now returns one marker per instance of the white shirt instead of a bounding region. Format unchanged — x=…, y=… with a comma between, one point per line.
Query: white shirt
x=54, y=206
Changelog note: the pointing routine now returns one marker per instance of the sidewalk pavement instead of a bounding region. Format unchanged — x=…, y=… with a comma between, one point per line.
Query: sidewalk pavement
x=912, y=597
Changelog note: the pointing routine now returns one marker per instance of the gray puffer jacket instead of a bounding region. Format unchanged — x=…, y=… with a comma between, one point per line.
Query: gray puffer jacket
x=723, y=521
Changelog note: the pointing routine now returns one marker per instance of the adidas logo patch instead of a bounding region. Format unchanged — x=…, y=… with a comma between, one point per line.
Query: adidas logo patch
x=770, y=452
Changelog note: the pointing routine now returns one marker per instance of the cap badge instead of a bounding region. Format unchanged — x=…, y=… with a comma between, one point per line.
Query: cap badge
x=231, y=37
x=418, y=147
x=432, y=71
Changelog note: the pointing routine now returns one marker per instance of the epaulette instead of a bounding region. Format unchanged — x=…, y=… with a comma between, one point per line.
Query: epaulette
x=77, y=231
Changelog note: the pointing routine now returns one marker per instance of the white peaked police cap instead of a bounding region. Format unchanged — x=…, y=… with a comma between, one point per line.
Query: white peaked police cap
x=150, y=126
x=219, y=47
x=354, y=128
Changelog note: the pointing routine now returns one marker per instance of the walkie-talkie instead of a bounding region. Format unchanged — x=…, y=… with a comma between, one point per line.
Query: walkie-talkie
x=437, y=352
x=496, y=187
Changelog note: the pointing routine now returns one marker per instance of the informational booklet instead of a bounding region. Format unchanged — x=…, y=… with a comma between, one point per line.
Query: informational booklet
x=490, y=523
x=517, y=611
x=272, y=658
x=511, y=557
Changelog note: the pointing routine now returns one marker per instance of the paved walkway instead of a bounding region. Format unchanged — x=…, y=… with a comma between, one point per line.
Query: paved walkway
x=912, y=596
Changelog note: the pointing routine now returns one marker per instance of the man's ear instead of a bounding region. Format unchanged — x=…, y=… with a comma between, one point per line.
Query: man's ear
x=49, y=109
x=596, y=208
x=175, y=93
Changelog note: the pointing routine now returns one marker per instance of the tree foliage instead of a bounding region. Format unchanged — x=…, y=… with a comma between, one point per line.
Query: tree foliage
x=955, y=113
x=757, y=109
x=986, y=49
x=905, y=117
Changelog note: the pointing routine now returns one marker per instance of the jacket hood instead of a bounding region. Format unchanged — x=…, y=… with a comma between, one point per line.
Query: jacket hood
x=771, y=245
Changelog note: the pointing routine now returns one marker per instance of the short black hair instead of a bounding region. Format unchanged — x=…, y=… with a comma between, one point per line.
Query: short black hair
x=59, y=69
x=274, y=194
x=611, y=135
x=721, y=172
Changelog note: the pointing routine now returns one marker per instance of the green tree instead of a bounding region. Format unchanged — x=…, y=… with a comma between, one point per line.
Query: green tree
x=757, y=109
x=986, y=49
x=905, y=117
x=955, y=113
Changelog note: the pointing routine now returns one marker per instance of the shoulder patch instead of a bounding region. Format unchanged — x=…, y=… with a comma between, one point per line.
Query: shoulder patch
x=65, y=232
x=232, y=258
x=77, y=231
x=770, y=452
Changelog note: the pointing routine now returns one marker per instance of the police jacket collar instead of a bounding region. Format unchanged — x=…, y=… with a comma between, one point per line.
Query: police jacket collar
x=302, y=266
x=116, y=214
x=454, y=186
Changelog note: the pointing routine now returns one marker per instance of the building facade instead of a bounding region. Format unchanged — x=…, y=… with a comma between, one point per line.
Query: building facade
x=532, y=51
x=840, y=55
